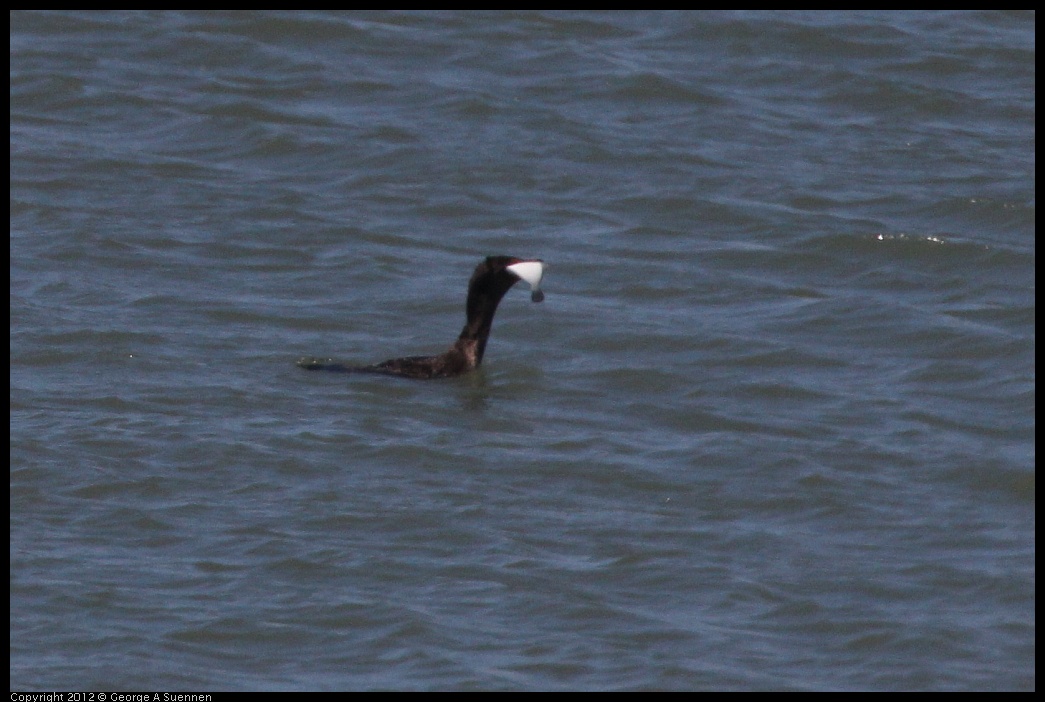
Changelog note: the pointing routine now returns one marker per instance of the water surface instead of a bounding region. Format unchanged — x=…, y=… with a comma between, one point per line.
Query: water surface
x=772, y=427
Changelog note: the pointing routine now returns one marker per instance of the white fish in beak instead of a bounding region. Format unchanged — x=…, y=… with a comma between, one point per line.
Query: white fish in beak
x=532, y=272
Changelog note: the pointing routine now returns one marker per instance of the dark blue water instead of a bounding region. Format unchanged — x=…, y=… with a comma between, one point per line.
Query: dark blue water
x=772, y=428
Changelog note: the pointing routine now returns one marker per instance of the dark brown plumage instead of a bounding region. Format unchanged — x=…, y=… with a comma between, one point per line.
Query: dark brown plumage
x=489, y=283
